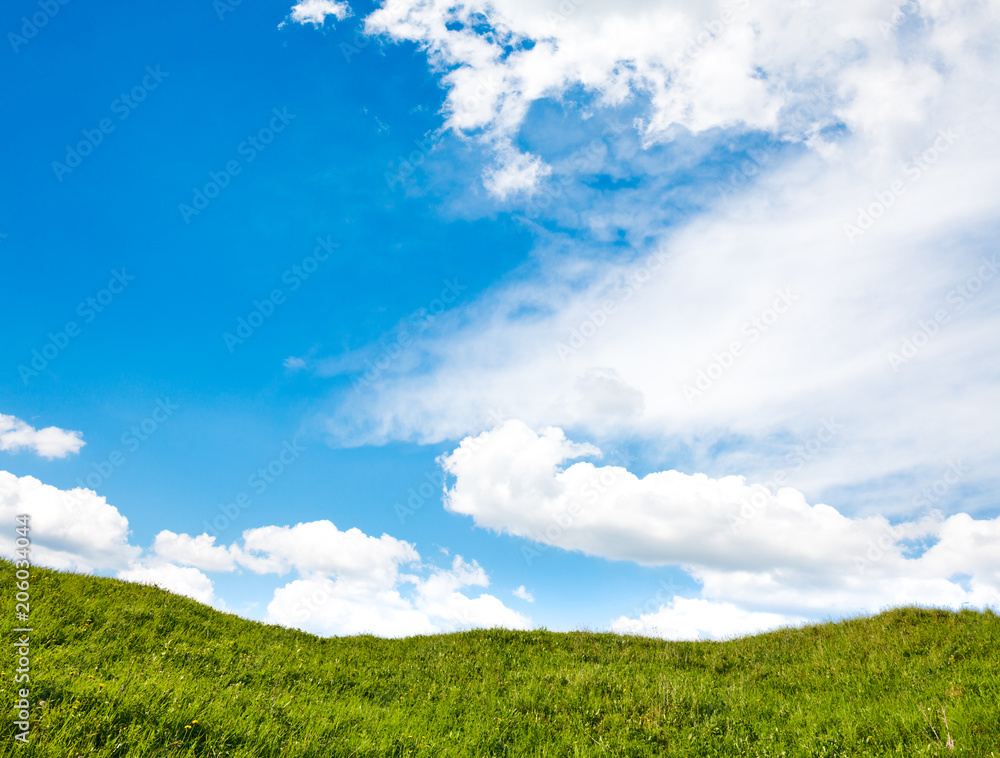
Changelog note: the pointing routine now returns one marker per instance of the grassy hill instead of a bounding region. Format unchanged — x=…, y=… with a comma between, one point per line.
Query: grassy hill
x=128, y=670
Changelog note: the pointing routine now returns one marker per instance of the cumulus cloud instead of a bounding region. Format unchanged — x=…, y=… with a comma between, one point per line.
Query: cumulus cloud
x=315, y=11
x=181, y=580
x=349, y=605
x=199, y=552
x=78, y=530
x=74, y=529
x=439, y=597
x=762, y=550
x=50, y=442
x=327, y=606
x=348, y=582
x=695, y=619
x=319, y=547
x=523, y=594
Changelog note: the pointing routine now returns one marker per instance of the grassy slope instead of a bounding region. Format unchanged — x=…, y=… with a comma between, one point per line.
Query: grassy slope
x=132, y=670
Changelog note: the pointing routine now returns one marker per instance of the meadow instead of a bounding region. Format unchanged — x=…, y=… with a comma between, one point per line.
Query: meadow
x=121, y=669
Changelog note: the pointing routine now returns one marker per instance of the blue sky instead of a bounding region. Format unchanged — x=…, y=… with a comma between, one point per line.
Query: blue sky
x=493, y=249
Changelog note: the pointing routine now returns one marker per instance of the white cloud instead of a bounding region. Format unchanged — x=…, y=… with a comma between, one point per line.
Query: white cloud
x=439, y=597
x=697, y=65
x=695, y=619
x=871, y=106
x=330, y=607
x=616, y=352
x=50, y=442
x=349, y=582
x=200, y=552
x=522, y=593
x=319, y=548
x=348, y=605
x=293, y=363
x=746, y=545
x=77, y=530
x=178, y=579
x=883, y=97
x=315, y=11
x=70, y=530
x=514, y=172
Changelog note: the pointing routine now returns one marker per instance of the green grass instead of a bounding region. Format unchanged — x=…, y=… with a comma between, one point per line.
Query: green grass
x=128, y=670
